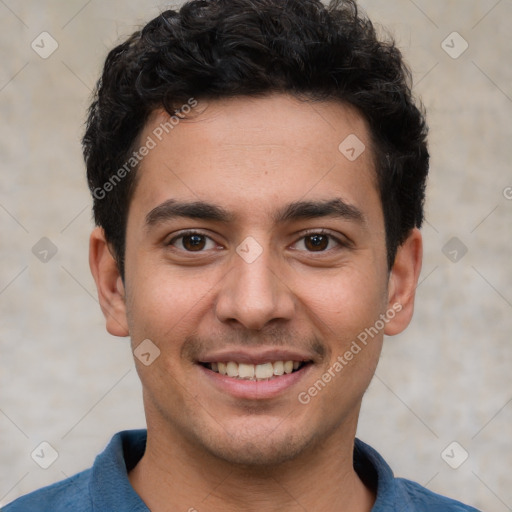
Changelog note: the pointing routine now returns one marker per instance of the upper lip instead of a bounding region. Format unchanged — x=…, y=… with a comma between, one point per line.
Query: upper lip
x=255, y=356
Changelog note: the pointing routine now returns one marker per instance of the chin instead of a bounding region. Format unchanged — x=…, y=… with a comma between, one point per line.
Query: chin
x=258, y=449
x=257, y=454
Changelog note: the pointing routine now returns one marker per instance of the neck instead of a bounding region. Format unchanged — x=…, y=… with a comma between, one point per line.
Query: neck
x=321, y=479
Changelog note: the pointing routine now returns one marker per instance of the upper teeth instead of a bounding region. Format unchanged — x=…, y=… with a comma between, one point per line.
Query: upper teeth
x=255, y=371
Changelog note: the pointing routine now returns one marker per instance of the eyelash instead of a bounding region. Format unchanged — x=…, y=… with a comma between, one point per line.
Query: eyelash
x=320, y=232
x=185, y=234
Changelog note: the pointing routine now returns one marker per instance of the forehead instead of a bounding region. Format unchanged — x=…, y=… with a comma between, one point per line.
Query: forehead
x=252, y=153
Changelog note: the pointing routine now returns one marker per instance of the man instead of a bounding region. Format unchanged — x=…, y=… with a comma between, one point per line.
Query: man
x=258, y=171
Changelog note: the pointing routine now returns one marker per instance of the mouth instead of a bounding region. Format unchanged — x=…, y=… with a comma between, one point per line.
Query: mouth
x=260, y=373
x=265, y=371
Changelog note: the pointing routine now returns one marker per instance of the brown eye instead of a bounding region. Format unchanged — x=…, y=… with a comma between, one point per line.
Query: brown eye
x=320, y=242
x=193, y=242
x=316, y=242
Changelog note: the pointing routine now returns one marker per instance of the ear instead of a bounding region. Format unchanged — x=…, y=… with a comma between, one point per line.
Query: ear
x=403, y=280
x=109, y=284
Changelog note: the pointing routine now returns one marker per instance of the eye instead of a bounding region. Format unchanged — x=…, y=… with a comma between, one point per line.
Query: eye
x=192, y=241
x=317, y=242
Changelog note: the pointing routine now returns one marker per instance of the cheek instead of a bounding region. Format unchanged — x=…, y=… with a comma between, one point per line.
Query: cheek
x=166, y=303
x=346, y=299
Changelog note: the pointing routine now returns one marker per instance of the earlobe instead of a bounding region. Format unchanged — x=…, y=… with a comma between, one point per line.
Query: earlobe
x=403, y=281
x=111, y=293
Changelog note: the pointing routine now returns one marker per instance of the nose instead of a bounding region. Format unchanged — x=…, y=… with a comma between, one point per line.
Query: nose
x=253, y=294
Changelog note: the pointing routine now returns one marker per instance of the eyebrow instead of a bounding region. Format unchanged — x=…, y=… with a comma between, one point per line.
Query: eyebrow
x=314, y=209
x=298, y=210
x=172, y=208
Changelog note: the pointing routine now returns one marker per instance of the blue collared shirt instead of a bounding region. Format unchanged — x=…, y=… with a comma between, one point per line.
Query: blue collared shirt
x=105, y=487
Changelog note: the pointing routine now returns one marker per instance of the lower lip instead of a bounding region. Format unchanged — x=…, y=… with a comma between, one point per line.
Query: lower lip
x=253, y=389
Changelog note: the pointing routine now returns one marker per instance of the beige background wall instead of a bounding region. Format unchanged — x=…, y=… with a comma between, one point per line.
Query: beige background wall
x=65, y=381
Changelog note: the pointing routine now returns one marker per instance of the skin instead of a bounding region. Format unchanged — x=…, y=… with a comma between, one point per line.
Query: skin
x=209, y=449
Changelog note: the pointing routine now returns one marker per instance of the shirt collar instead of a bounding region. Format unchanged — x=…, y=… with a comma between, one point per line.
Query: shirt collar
x=110, y=487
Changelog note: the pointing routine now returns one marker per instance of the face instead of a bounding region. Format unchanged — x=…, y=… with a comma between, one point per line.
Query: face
x=255, y=259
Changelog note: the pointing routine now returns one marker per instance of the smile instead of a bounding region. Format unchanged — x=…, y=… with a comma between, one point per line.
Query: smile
x=255, y=372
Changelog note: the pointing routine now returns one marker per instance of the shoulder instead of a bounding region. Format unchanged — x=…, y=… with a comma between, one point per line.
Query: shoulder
x=424, y=500
x=104, y=487
x=70, y=494
x=398, y=493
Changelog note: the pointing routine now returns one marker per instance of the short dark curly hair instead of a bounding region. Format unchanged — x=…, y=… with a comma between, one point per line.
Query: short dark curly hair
x=213, y=49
